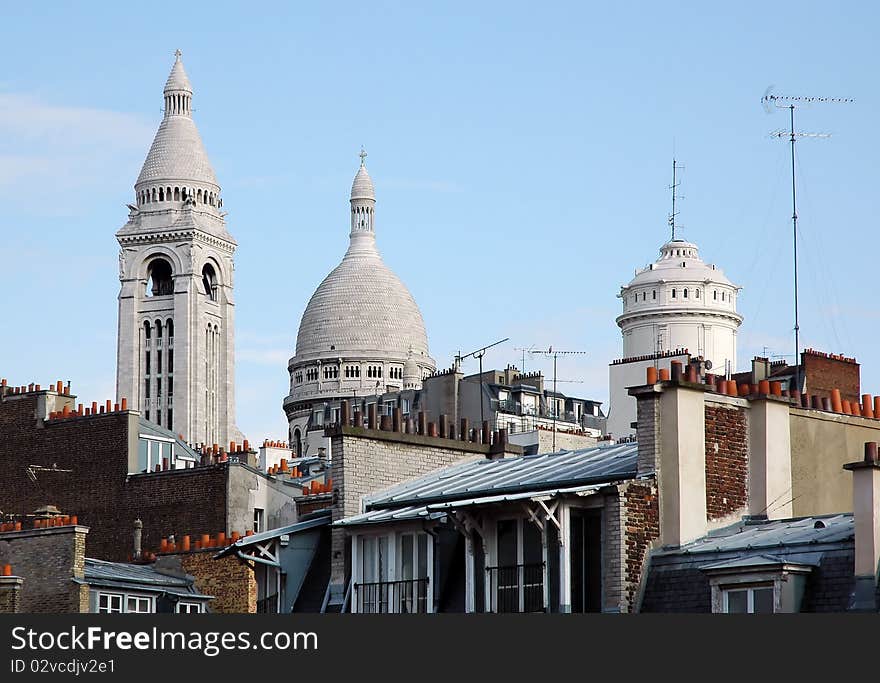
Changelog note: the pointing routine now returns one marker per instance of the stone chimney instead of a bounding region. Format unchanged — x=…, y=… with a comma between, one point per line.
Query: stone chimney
x=769, y=458
x=866, y=514
x=672, y=443
x=138, y=532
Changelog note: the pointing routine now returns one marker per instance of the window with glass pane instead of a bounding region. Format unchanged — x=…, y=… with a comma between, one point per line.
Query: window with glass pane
x=189, y=608
x=109, y=603
x=139, y=605
x=749, y=600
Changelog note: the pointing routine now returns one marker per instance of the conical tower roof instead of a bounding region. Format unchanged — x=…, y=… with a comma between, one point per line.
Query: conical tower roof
x=177, y=153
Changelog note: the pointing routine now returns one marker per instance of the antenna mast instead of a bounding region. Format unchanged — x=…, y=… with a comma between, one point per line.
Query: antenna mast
x=771, y=102
x=675, y=167
x=555, y=354
x=479, y=353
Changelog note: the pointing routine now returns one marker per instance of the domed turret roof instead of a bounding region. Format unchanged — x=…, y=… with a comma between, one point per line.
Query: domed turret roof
x=679, y=261
x=362, y=187
x=412, y=376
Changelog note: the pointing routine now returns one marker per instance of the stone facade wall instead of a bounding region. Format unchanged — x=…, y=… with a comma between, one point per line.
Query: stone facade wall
x=641, y=524
x=727, y=460
x=569, y=441
x=48, y=560
x=231, y=582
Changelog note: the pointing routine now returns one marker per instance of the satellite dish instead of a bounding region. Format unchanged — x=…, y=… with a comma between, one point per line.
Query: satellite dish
x=708, y=365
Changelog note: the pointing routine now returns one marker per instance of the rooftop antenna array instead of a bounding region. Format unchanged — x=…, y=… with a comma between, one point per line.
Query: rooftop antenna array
x=479, y=353
x=675, y=184
x=772, y=102
x=524, y=352
x=550, y=352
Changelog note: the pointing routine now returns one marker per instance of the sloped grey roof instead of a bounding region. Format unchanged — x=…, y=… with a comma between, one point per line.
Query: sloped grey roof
x=321, y=518
x=100, y=571
x=407, y=514
x=678, y=578
x=181, y=448
x=782, y=534
x=755, y=561
x=533, y=473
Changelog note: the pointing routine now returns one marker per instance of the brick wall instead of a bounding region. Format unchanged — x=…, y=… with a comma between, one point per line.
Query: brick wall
x=727, y=460
x=313, y=502
x=648, y=432
x=10, y=594
x=231, y=582
x=641, y=524
x=613, y=553
x=48, y=560
x=180, y=502
x=368, y=461
x=99, y=489
x=824, y=373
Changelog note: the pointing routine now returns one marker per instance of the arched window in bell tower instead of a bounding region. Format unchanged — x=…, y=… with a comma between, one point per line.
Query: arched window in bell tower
x=209, y=282
x=159, y=279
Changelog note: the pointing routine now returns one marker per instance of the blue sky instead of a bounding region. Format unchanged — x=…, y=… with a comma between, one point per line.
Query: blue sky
x=521, y=154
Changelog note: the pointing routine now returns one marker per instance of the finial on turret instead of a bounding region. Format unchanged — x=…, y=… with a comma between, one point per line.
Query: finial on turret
x=177, y=54
x=363, y=156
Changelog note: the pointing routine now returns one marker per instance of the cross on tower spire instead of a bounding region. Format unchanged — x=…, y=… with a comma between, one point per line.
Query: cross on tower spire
x=177, y=55
x=363, y=156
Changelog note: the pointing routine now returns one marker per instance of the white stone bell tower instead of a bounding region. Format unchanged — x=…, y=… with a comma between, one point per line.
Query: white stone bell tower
x=175, y=353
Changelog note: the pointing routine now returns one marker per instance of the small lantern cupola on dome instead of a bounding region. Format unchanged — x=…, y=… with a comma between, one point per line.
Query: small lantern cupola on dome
x=178, y=90
x=363, y=200
x=412, y=376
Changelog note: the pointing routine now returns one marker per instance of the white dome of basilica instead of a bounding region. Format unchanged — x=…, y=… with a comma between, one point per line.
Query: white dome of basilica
x=361, y=307
x=362, y=324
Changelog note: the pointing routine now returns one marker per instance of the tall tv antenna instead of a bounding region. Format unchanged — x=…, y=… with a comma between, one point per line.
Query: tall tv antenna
x=479, y=353
x=524, y=352
x=675, y=184
x=770, y=103
x=555, y=354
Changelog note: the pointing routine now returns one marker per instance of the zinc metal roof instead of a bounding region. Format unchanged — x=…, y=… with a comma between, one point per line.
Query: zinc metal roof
x=519, y=474
x=407, y=514
x=99, y=571
x=438, y=510
x=779, y=534
x=318, y=521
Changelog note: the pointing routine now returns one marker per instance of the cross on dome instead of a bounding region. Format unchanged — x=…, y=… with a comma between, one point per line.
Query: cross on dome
x=177, y=54
x=363, y=156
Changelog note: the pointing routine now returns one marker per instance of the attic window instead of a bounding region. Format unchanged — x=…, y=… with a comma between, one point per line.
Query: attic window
x=748, y=600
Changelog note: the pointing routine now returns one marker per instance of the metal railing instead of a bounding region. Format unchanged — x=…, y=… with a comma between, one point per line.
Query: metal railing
x=399, y=597
x=516, y=588
x=268, y=605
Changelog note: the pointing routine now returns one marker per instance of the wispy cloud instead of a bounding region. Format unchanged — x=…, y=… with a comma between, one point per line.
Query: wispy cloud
x=48, y=149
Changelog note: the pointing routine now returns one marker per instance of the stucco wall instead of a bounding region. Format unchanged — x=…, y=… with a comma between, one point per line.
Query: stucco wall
x=821, y=443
